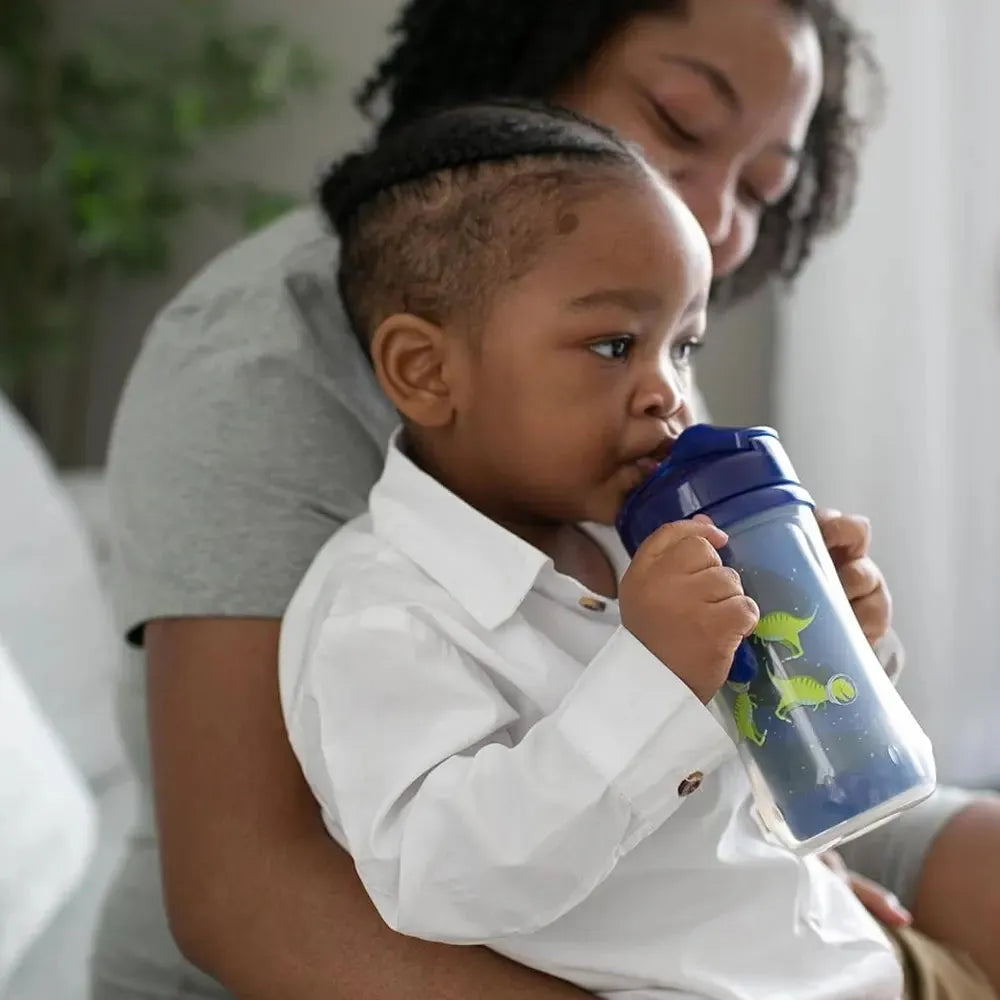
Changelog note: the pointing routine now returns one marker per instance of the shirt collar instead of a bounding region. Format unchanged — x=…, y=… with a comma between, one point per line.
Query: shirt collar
x=452, y=542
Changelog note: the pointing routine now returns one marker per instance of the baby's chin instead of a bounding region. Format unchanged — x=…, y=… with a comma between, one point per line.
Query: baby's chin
x=597, y=506
x=607, y=520
x=603, y=511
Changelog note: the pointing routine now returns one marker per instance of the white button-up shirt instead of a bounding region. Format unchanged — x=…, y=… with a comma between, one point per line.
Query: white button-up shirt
x=509, y=766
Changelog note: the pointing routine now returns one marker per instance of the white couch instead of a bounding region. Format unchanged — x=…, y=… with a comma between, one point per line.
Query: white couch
x=55, y=622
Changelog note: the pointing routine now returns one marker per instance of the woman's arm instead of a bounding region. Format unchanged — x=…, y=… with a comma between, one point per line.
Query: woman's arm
x=257, y=893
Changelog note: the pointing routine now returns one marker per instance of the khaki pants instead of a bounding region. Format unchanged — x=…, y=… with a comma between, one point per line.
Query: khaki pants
x=935, y=972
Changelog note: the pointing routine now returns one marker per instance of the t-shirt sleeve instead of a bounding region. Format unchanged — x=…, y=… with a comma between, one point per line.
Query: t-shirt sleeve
x=245, y=437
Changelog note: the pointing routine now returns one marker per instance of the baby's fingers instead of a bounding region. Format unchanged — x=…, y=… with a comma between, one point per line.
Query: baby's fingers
x=737, y=616
x=860, y=578
x=847, y=537
x=716, y=584
x=670, y=535
x=874, y=614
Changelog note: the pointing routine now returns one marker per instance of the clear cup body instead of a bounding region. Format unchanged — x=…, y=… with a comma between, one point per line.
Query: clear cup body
x=830, y=747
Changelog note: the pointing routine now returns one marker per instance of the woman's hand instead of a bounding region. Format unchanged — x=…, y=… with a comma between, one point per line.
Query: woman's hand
x=848, y=538
x=879, y=902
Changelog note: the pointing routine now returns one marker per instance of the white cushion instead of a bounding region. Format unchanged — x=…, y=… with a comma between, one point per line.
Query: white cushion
x=70, y=937
x=53, y=617
x=47, y=820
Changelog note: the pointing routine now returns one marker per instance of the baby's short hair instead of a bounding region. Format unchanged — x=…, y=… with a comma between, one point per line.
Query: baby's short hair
x=442, y=212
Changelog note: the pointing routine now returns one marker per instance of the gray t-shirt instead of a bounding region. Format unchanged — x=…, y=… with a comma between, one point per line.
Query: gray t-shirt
x=251, y=427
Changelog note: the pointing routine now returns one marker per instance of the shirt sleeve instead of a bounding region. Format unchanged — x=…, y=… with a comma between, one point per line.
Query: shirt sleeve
x=459, y=832
x=245, y=438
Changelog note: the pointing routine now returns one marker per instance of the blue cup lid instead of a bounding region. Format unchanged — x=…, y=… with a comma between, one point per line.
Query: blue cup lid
x=728, y=473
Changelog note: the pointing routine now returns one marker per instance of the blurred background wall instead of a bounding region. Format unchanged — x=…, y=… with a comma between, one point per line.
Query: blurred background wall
x=887, y=386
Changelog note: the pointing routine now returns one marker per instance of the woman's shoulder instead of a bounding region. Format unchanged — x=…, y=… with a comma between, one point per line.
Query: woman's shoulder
x=256, y=348
x=297, y=240
x=251, y=426
x=254, y=295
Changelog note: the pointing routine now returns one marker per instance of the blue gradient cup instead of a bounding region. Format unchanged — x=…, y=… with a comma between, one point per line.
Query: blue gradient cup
x=830, y=748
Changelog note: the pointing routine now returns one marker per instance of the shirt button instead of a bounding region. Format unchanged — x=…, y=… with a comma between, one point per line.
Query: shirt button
x=592, y=604
x=690, y=784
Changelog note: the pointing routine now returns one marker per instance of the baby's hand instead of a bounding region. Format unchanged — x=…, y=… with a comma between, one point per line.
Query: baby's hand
x=848, y=539
x=685, y=607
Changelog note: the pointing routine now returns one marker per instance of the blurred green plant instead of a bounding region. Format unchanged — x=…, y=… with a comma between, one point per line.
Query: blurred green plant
x=96, y=143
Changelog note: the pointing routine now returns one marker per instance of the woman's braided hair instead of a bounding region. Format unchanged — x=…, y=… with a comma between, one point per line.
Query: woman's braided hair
x=457, y=51
x=446, y=208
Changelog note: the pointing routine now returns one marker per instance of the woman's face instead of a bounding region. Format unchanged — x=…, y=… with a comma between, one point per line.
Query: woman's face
x=720, y=99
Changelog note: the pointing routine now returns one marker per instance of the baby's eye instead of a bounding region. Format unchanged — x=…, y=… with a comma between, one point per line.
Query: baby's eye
x=684, y=352
x=614, y=349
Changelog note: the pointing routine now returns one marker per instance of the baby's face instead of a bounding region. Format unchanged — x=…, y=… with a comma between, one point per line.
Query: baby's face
x=579, y=383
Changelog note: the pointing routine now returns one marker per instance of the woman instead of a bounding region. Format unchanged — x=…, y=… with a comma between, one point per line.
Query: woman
x=241, y=446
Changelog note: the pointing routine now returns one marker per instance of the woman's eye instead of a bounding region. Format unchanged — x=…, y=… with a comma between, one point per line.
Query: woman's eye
x=614, y=349
x=675, y=129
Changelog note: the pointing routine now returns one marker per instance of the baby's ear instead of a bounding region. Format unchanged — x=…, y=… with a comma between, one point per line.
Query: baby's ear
x=411, y=362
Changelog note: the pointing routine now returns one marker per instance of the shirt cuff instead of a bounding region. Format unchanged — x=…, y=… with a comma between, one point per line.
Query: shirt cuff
x=641, y=727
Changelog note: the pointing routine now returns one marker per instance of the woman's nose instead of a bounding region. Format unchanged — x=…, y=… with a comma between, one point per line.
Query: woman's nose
x=713, y=203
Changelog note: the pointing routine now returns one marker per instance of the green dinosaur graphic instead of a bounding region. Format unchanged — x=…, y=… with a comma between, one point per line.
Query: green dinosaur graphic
x=807, y=692
x=784, y=628
x=743, y=707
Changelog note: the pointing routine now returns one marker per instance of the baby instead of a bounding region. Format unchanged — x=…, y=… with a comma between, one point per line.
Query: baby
x=508, y=726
